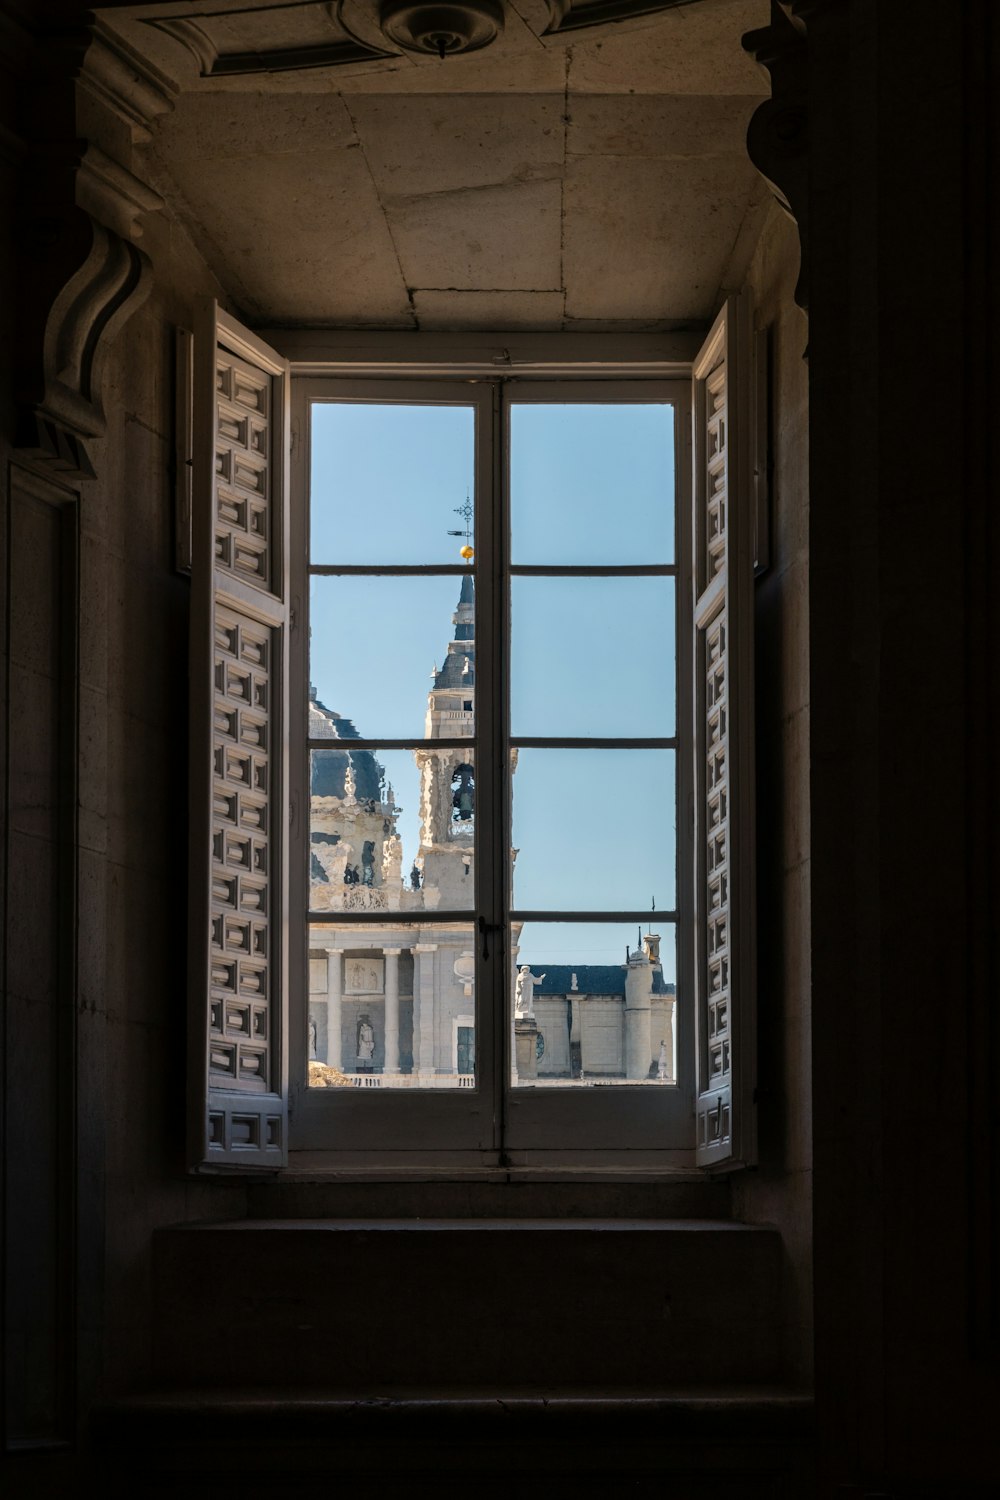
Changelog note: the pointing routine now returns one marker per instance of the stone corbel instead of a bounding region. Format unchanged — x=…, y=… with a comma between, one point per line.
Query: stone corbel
x=93, y=305
x=60, y=409
x=777, y=136
x=81, y=274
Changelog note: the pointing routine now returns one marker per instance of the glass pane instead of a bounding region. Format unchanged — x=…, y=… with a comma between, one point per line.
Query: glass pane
x=392, y=1007
x=386, y=481
x=395, y=656
x=594, y=830
x=593, y=1003
x=391, y=830
x=592, y=483
x=592, y=656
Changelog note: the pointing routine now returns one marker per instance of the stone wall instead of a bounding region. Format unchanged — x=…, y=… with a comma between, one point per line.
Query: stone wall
x=779, y=1192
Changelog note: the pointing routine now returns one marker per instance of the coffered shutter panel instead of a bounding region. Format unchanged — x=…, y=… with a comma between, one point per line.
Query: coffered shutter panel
x=725, y=921
x=238, y=777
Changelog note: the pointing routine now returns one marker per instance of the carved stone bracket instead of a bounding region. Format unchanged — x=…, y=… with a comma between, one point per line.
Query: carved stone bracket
x=93, y=305
x=81, y=275
x=777, y=136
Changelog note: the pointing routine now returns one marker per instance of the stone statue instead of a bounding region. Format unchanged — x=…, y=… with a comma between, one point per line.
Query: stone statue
x=368, y=863
x=366, y=1040
x=524, y=994
x=415, y=877
x=312, y=1038
x=661, y=1066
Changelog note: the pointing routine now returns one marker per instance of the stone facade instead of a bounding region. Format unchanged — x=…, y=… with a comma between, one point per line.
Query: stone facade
x=413, y=983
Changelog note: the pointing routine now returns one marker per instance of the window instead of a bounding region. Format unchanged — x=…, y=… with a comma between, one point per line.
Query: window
x=499, y=928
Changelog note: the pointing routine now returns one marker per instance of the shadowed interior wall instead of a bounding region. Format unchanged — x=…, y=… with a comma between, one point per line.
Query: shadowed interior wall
x=780, y=1191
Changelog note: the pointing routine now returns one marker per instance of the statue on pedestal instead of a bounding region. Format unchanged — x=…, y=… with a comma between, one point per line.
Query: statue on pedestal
x=524, y=994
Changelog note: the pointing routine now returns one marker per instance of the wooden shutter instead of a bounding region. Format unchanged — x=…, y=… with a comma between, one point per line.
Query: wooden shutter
x=725, y=923
x=238, y=778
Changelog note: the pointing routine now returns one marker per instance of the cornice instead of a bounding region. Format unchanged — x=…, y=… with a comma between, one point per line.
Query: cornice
x=128, y=84
x=113, y=195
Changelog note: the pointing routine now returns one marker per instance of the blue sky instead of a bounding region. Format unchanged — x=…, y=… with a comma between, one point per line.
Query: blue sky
x=589, y=484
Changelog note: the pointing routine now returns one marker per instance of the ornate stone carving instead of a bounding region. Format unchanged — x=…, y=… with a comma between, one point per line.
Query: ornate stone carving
x=455, y=26
x=777, y=141
x=92, y=305
x=241, y=40
x=82, y=276
x=328, y=36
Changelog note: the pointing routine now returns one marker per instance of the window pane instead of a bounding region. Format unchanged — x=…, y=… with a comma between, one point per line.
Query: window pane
x=593, y=1003
x=592, y=483
x=391, y=830
x=386, y=480
x=594, y=830
x=395, y=656
x=392, y=1007
x=592, y=656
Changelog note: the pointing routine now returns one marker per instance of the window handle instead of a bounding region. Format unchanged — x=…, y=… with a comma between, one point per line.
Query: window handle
x=485, y=928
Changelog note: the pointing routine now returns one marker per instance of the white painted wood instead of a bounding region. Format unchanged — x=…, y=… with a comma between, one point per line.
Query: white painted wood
x=238, y=773
x=723, y=542
x=378, y=1123
x=360, y=354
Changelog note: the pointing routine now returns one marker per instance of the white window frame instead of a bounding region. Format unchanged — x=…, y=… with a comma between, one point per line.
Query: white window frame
x=609, y=1149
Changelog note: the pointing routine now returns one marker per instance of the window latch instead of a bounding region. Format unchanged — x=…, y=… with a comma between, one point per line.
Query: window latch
x=485, y=928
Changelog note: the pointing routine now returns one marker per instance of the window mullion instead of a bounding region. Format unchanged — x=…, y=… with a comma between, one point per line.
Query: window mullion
x=492, y=814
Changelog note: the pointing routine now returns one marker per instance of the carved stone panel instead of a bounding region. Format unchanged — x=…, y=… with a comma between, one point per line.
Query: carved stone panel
x=363, y=976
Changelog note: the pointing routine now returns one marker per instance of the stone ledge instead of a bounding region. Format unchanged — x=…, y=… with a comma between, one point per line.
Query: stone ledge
x=447, y=1304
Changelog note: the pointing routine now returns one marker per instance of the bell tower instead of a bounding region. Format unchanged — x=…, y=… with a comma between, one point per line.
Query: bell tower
x=448, y=777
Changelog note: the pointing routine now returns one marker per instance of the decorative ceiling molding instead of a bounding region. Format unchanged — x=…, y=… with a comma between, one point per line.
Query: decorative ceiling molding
x=128, y=84
x=777, y=136
x=339, y=33
x=323, y=39
x=568, y=16
x=444, y=28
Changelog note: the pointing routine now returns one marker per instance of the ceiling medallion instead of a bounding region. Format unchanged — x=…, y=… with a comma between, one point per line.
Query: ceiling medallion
x=447, y=28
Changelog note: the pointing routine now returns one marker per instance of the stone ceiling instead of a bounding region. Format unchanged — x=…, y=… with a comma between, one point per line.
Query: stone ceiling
x=596, y=184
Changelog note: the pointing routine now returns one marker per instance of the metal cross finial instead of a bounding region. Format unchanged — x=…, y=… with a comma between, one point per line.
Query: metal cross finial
x=467, y=512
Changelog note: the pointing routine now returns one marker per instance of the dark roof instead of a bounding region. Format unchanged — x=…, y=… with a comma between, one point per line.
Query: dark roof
x=329, y=767
x=453, y=673
x=329, y=774
x=591, y=979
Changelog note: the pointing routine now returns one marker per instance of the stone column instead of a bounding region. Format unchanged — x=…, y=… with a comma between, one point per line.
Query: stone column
x=423, y=986
x=638, y=990
x=391, y=1010
x=333, y=992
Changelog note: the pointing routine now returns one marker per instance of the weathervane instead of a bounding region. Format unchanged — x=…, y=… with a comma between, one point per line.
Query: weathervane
x=467, y=512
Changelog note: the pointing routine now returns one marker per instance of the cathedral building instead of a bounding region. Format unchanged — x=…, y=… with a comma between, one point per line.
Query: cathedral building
x=394, y=1005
